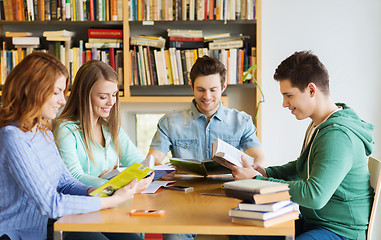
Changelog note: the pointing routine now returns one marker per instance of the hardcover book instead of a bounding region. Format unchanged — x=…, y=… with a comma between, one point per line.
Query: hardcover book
x=235, y=212
x=203, y=168
x=250, y=197
x=267, y=223
x=256, y=186
x=105, y=33
x=267, y=207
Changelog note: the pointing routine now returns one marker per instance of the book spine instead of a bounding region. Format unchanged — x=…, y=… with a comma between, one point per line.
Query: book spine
x=105, y=33
x=184, y=67
x=186, y=44
x=175, y=38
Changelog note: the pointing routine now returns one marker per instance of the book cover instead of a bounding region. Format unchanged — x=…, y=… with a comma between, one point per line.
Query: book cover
x=250, y=197
x=184, y=33
x=60, y=33
x=235, y=212
x=203, y=168
x=18, y=34
x=256, y=186
x=158, y=42
x=226, y=45
x=26, y=41
x=160, y=170
x=105, y=33
x=136, y=170
x=267, y=207
x=267, y=223
x=185, y=44
x=103, y=45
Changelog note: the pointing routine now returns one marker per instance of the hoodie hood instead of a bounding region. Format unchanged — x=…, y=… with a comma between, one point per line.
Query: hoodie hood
x=348, y=119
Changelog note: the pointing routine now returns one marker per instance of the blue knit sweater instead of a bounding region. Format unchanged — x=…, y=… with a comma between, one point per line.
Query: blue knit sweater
x=35, y=185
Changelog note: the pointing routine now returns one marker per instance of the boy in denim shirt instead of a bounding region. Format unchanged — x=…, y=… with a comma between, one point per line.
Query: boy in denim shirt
x=189, y=133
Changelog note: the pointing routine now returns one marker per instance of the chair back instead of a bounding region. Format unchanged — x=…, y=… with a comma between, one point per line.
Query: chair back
x=375, y=216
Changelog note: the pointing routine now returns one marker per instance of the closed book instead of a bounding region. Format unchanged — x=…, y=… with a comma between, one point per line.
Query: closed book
x=60, y=33
x=268, y=207
x=105, y=40
x=18, y=34
x=105, y=33
x=186, y=44
x=235, y=212
x=184, y=33
x=195, y=39
x=226, y=45
x=25, y=41
x=158, y=42
x=103, y=45
x=267, y=223
x=256, y=186
x=251, y=197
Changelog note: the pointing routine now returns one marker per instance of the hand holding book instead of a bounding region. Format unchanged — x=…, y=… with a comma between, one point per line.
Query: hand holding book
x=247, y=171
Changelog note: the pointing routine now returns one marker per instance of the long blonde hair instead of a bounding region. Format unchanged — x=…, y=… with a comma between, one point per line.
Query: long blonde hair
x=28, y=86
x=79, y=107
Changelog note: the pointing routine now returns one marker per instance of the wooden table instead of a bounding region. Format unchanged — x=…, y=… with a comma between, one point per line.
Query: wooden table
x=185, y=213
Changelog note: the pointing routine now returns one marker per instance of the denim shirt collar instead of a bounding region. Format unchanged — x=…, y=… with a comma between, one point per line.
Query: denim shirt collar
x=220, y=114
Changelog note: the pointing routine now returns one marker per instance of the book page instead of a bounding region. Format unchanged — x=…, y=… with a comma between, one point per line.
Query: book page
x=229, y=153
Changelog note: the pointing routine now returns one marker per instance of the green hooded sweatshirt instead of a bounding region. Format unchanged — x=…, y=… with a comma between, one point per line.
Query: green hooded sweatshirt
x=330, y=179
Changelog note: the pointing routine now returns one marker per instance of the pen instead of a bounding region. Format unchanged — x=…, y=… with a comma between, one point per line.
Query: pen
x=213, y=194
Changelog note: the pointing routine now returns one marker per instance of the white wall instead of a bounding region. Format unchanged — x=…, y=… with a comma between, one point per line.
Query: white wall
x=346, y=35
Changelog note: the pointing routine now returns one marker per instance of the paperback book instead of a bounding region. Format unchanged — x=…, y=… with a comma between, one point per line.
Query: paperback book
x=136, y=170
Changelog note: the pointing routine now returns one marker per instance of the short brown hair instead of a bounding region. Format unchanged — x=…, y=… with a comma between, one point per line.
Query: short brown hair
x=28, y=86
x=207, y=66
x=303, y=68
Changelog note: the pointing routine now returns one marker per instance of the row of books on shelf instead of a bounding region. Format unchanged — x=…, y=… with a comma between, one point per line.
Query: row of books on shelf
x=264, y=203
x=77, y=56
x=168, y=10
x=139, y=10
x=172, y=66
x=66, y=10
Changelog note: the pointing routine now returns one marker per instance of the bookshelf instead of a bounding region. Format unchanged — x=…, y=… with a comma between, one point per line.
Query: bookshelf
x=148, y=94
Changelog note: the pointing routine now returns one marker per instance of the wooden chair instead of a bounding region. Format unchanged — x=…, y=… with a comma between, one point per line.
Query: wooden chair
x=375, y=216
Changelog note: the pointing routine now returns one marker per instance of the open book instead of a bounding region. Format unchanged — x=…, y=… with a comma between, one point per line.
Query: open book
x=221, y=152
x=160, y=170
x=136, y=170
x=203, y=168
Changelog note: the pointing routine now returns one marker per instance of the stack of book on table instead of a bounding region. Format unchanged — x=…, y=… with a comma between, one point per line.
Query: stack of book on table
x=265, y=203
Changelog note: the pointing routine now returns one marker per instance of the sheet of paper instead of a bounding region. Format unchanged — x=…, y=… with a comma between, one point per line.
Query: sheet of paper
x=155, y=185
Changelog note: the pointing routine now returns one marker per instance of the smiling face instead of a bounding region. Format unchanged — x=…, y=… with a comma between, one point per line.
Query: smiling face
x=103, y=97
x=56, y=101
x=300, y=103
x=207, y=93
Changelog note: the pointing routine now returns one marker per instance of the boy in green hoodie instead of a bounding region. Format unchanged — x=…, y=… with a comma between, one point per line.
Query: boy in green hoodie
x=330, y=178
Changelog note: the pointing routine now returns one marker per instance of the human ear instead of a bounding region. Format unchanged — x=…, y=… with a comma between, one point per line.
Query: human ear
x=312, y=88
